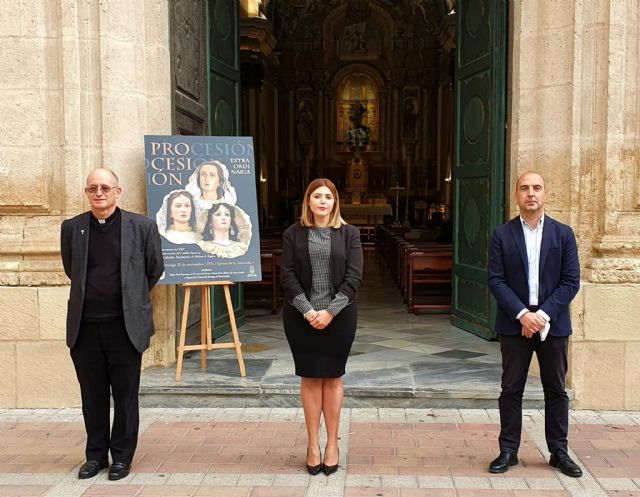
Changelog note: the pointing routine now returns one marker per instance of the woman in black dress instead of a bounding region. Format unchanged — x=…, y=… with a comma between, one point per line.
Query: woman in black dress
x=321, y=272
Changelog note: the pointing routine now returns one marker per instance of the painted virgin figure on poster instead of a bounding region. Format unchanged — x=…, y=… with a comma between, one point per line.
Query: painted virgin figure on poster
x=201, y=192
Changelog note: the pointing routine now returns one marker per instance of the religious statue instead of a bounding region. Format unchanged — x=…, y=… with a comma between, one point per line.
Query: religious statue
x=356, y=114
x=305, y=124
x=409, y=120
x=304, y=128
x=358, y=135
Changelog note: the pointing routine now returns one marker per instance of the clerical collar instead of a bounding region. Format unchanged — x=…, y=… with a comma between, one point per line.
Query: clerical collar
x=115, y=215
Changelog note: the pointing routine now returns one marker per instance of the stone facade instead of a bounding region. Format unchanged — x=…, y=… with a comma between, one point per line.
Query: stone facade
x=81, y=83
x=575, y=117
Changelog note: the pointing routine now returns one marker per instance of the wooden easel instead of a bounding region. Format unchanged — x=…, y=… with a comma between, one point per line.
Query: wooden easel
x=206, y=342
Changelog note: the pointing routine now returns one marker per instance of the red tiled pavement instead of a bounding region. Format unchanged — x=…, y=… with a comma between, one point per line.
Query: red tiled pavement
x=222, y=447
x=40, y=447
x=434, y=449
x=269, y=448
x=449, y=492
x=608, y=451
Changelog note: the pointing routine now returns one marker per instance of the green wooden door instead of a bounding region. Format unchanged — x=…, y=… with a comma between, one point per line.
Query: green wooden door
x=478, y=172
x=205, y=70
x=224, y=67
x=224, y=117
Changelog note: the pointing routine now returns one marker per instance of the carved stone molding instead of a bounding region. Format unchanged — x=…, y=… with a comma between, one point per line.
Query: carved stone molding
x=30, y=251
x=620, y=268
x=256, y=35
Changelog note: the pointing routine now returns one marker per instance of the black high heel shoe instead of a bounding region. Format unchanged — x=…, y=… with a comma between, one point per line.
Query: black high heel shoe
x=329, y=470
x=314, y=470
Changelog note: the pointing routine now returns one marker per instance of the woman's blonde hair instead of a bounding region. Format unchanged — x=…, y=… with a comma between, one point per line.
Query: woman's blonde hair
x=306, y=217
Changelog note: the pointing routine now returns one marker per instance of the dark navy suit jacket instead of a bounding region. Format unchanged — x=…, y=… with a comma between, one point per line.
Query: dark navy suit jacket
x=508, y=275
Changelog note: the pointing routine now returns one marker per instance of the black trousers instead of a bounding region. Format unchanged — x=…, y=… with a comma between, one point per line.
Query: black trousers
x=106, y=361
x=516, y=358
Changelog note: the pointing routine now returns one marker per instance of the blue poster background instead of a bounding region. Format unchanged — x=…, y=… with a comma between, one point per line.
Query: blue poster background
x=201, y=191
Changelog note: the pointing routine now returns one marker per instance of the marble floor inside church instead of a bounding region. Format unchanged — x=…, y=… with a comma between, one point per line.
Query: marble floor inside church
x=397, y=360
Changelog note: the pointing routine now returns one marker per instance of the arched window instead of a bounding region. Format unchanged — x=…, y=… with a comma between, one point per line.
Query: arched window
x=357, y=87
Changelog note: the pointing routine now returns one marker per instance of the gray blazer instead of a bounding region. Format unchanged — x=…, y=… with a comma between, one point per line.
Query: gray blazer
x=140, y=269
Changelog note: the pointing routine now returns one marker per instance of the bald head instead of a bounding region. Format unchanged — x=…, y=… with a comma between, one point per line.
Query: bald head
x=100, y=172
x=534, y=176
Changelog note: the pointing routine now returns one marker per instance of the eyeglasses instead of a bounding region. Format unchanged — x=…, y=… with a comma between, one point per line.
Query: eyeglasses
x=106, y=189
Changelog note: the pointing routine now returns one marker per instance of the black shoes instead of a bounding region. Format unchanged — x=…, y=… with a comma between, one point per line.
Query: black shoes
x=91, y=468
x=501, y=463
x=329, y=470
x=564, y=463
x=560, y=460
x=314, y=470
x=119, y=470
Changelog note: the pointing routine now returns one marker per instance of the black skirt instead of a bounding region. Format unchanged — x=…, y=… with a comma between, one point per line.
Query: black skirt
x=320, y=353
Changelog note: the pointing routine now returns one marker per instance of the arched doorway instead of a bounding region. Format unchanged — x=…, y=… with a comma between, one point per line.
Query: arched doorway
x=329, y=53
x=458, y=157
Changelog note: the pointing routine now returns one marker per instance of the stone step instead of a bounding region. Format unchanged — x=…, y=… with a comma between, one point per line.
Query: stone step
x=419, y=385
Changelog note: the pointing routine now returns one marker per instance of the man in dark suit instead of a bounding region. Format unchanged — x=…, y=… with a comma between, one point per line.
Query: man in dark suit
x=113, y=259
x=534, y=274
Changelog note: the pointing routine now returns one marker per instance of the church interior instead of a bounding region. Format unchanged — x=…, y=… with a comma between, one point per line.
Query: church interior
x=358, y=91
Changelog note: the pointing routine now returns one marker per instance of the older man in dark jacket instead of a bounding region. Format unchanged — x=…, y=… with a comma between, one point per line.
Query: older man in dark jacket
x=113, y=258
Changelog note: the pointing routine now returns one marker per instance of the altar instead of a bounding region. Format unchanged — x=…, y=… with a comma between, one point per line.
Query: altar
x=365, y=213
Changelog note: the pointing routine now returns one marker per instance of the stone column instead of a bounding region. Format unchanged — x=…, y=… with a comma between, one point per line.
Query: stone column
x=83, y=82
x=574, y=118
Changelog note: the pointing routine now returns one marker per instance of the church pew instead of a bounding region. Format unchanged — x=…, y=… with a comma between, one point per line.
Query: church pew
x=367, y=236
x=430, y=271
x=270, y=262
x=387, y=239
x=403, y=259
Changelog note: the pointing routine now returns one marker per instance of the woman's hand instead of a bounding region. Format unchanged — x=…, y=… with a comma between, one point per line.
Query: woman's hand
x=311, y=315
x=321, y=320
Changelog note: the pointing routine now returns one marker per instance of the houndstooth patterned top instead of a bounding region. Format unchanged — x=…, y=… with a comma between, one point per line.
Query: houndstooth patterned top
x=320, y=298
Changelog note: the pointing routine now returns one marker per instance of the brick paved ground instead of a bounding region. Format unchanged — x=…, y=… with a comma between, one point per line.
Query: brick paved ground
x=260, y=453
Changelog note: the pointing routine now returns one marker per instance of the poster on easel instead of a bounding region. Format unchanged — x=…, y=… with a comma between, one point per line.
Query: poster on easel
x=201, y=192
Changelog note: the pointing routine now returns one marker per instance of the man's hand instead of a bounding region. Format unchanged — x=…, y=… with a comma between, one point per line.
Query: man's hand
x=532, y=323
x=321, y=320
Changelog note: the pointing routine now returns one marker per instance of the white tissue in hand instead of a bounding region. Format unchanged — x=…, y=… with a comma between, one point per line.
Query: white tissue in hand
x=545, y=331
